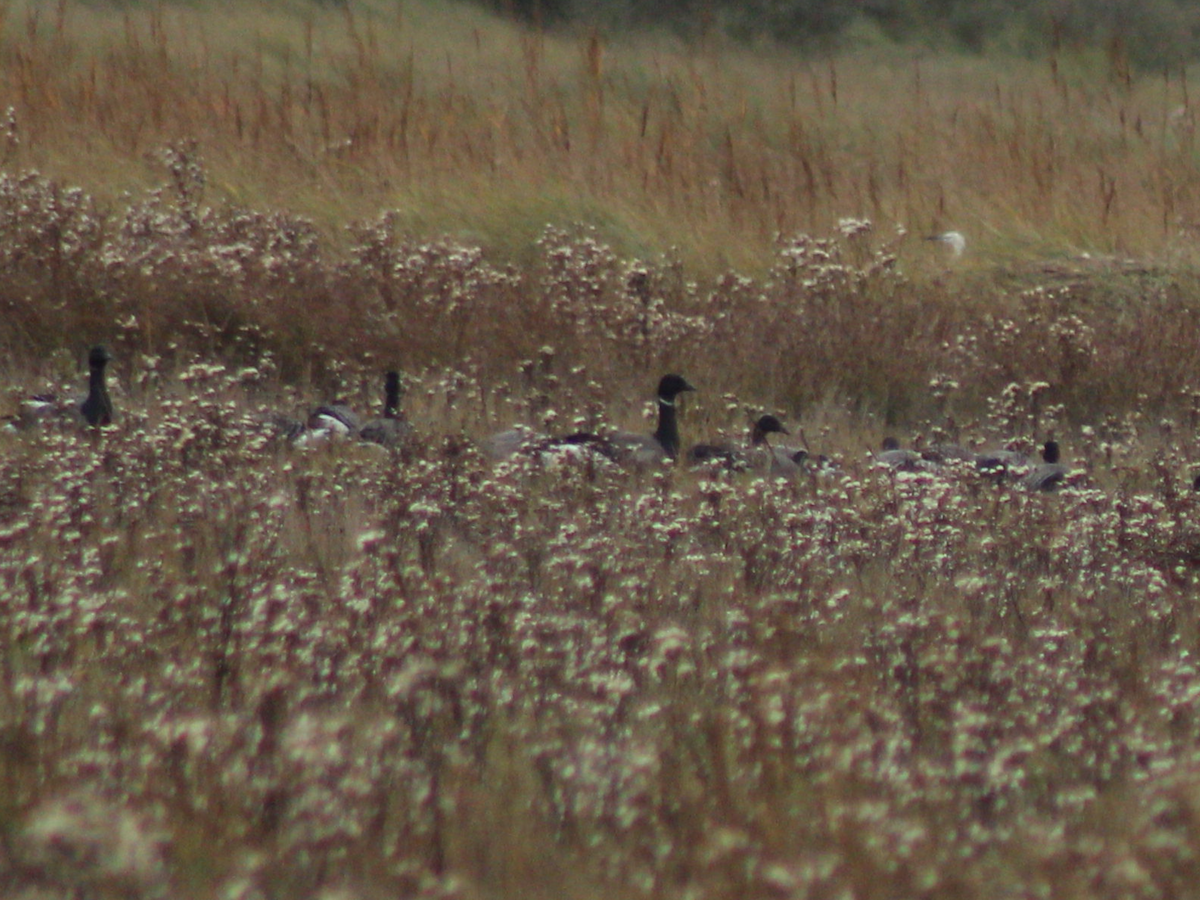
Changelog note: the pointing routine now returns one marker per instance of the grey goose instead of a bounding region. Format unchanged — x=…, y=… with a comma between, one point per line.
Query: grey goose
x=619, y=447
x=647, y=449
x=1050, y=474
x=1001, y=463
x=331, y=420
x=895, y=457
x=334, y=419
x=95, y=410
x=761, y=455
x=391, y=429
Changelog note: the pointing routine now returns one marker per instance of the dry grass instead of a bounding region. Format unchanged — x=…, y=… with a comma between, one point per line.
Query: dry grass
x=277, y=178
x=472, y=127
x=230, y=667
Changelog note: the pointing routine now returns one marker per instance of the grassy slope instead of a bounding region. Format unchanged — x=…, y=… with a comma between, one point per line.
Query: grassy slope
x=469, y=126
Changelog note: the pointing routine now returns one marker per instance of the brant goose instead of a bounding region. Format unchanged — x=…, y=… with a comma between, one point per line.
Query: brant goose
x=1050, y=474
x=392, y=429
x=646, y=449
x=621, y=447
x=776, y=460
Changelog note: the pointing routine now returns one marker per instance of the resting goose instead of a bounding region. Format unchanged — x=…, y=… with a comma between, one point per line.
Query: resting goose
x=392, y=428
x=35, y=410
x=508, y=443
x=1000, y=462
x=622, y=447
x=902, y=460
x=96, y=409
x=948, y=454
x=333, y=420
x=1050, y=474
x=776, y=460
x=647, y=449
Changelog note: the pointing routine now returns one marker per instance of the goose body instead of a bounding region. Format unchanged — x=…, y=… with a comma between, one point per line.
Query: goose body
x=335, y=419
x=506, y=444
x=34, y=411
x=1050, y=474
x=948, y=453
x=1001, y=462
x=760, y=456
x=582, y=446
x=94, y=410
x=327, y=422
x=895, y=457
x=391, y=429
x=624, y=447
x=647, y=449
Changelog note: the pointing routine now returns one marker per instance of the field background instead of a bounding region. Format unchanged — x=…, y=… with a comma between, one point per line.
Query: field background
x=233, y=668
x=341, y=142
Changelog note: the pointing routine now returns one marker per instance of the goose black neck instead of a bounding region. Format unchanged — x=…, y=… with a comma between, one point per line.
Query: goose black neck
x=97, y=408
x=391, y=405
x=667, y=434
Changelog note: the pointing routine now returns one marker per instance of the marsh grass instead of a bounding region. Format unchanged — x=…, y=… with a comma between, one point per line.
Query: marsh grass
x=232, y=667
x=316, y=189
x=269, y=670
x=473, y=127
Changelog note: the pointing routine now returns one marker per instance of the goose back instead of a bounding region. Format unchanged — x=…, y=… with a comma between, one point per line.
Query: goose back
x=895, y=457
x=1051, y=474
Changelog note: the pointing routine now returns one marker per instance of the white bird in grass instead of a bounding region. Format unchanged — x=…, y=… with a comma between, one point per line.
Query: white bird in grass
x=952, y=239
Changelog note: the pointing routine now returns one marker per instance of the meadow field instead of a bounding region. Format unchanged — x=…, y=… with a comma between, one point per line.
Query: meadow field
x=234, y=667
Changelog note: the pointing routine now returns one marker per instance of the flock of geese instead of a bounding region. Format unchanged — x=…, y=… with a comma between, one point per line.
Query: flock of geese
x=392, y=429
x=760, y=455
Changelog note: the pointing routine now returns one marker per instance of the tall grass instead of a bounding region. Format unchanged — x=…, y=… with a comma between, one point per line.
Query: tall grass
x=467, y=125
x=275, y=181
x=233, y=668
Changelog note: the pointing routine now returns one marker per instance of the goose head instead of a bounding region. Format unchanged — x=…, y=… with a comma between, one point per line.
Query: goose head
x=99, y=357
x=764, y=426
x=671, y=386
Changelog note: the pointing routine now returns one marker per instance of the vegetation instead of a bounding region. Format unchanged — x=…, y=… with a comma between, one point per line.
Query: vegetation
x=232, y=666
x=463, y=125
x=1154, y=34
